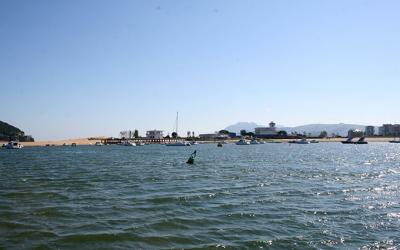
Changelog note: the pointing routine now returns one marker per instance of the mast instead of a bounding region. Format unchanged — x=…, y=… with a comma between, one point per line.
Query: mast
x=176, y=125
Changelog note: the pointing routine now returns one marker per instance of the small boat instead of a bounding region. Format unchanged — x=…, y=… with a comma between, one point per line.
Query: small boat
x=13, y=145
x=219, y=144
x=194, y=143
x=254, y=142
x=276, y=141
x=395, y=141
x=99, y=144
x=224, y=142
x=243, y=142
x=261, y=142
x=128, y=144
x=303, y=141
x=140, y=144
x=314, y=141
x=178, y=143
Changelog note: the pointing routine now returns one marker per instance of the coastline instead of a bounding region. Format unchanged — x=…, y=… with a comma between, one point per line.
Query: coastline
x=87, y=141
x=78, y=141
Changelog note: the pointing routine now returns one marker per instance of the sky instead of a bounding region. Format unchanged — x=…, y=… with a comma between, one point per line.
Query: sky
x=72, y=69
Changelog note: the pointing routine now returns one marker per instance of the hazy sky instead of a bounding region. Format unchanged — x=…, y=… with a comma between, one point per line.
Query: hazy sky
x=87, y=68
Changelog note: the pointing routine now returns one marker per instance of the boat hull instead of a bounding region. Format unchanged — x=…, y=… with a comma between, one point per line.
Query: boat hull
x=355, y=142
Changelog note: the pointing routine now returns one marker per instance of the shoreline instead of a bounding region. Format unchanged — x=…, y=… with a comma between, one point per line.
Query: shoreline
x=87, y=141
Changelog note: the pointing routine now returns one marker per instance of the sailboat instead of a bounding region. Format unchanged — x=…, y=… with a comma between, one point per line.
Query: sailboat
x=177, y=143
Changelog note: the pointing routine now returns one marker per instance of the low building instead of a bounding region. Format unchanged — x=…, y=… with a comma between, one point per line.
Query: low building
x=213, y=136
x=155, y=134
x=369, y=131
x=232, y=134
x=127, y=134
x=265, y=132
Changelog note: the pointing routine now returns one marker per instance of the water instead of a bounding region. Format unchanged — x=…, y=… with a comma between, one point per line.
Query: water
x=271, y=196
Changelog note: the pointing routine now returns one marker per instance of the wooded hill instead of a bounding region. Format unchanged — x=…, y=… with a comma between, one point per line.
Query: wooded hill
x=9, y=132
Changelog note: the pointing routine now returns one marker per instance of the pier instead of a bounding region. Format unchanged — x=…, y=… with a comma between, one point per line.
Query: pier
x=112, y=140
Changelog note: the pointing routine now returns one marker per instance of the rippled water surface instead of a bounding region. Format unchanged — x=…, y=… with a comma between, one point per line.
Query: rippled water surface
x=325, y=195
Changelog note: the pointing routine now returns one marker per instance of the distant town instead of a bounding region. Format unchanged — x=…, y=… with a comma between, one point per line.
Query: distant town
x=267, y=132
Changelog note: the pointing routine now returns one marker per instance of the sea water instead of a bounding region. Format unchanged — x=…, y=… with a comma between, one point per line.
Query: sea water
x=271, y=196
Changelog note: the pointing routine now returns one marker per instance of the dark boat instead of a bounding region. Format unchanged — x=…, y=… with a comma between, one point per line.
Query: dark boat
x=348, y=141
x=360, y=141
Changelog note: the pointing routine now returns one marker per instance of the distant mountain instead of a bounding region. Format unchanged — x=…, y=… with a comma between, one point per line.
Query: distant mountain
x=8, y=132
x=248, y=126
x=313, y=129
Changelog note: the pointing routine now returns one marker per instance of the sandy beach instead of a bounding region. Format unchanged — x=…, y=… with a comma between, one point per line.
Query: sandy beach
x=78, y=141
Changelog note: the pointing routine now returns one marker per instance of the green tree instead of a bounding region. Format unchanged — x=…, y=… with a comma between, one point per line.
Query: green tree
x=323, y=134
x=243, y=132
x=224, y=132
x=174, y=135
x=250, y=134
x=136, y=133
x=282, y=133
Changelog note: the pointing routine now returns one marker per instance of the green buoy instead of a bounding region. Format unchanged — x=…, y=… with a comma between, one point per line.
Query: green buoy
x=191, y=158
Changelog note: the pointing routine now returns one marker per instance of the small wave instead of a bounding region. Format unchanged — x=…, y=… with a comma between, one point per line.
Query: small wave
x=52, y=212
x=100, y=237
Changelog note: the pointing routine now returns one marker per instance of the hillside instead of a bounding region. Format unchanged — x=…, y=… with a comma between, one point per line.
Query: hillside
x=8, y=132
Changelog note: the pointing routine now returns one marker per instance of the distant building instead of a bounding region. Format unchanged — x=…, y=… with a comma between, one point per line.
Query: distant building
x=127, y=134
x=380, y=131
x=369, y=131
x=155, y=134
x=213, y=136
x=232, y=135
x=389, y=130
x=266, y=131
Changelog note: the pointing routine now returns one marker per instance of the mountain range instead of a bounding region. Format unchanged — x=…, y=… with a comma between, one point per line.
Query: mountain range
x=313, y=129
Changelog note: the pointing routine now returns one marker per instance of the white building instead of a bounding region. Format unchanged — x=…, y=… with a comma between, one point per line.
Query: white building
x=155, y=134
x=266, y=131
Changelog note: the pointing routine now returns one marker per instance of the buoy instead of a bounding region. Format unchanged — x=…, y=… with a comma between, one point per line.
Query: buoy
x=191, y=158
